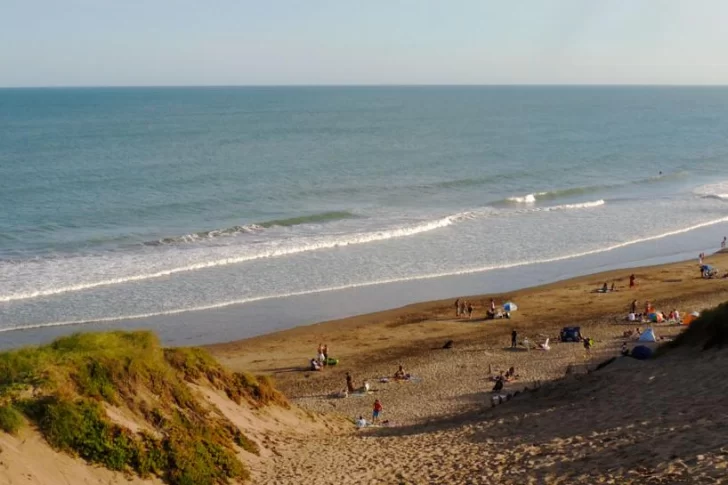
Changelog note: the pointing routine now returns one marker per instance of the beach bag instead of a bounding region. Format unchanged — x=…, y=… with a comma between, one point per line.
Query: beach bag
x=332, y=361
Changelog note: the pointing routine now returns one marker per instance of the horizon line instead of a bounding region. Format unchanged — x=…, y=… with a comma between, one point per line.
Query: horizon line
x=373, y=85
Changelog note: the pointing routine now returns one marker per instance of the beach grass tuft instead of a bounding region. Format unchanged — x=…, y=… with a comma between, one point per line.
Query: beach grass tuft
x=708, y=331
x=65, y=388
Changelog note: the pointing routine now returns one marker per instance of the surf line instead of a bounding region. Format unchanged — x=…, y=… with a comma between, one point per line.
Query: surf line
x=367, y=283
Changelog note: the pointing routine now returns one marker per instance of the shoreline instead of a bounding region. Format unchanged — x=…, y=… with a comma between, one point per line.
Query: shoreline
x=250, y=320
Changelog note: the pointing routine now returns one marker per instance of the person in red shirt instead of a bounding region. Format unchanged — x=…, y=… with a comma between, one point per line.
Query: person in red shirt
x=376, y=411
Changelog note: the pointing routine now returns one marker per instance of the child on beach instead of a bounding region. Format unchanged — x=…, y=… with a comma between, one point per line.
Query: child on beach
x=376, y=411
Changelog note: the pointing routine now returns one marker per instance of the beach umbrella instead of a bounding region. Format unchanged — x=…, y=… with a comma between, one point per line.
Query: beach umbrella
x=510, y=307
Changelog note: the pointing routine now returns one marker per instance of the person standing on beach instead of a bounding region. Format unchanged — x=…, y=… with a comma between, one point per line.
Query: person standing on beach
x=632, y=282
x=514, y=339
x=457, y=307
x=376, y=411
x=633, y=307
x=722, y=244
x=492, y=306
x=470, y=310
x=326, y=353
x=349, y=383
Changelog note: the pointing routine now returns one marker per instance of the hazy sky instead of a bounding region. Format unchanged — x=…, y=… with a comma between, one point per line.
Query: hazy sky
x=193, y=42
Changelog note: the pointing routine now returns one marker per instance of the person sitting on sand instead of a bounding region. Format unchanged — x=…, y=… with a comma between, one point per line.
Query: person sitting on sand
x=315, y=365
x=361, y=422
x=614, y=286
x=498, y=385
x=605, y=288
x=625, y=349
x=365, y=387
x=588, y=343
x=511, y=374
x=676, y=315
x=401, y=374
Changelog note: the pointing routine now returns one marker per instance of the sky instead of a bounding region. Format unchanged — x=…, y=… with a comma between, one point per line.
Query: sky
x=342, y=42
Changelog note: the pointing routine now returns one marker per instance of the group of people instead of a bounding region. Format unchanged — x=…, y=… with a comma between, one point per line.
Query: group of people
x=377, y=409
x=606, y=289
x=321, y=359
x=463, y=308
x=503, y=377
x=634, y=316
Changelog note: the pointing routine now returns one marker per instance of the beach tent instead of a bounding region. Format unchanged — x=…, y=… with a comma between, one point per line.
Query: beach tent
x=647, y=336
x=510, y=307
x=641, y=352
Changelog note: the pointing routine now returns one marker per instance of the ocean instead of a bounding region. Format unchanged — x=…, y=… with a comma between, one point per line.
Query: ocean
x=274, y=207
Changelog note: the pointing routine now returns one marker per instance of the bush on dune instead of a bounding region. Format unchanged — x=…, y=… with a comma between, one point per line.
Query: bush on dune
x=709, y=331
x=61, y=388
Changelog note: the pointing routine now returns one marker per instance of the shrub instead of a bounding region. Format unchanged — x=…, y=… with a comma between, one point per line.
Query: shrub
x=708, y=331
x=71, y=378
x=10, y=419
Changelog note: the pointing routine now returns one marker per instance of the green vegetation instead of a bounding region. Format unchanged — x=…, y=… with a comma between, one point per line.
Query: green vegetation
x=709, y=331
x=64, y=389
x=10, y=419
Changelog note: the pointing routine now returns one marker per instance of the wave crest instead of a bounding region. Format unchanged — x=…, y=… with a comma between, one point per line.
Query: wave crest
x=255, y=228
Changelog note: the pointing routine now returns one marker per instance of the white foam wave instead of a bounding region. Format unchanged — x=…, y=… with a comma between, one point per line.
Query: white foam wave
x=581, y=205
x=717, y=190
x=464, y=271
x=275, y=251
x=526, y=199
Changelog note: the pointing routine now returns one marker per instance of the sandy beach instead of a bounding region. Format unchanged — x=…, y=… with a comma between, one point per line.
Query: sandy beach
x=576, y=428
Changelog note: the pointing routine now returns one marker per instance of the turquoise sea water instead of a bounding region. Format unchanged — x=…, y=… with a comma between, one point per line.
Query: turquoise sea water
x=119, y=204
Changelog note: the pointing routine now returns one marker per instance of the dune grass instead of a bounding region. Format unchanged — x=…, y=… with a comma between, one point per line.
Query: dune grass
x=63, y=389
x=708, y=331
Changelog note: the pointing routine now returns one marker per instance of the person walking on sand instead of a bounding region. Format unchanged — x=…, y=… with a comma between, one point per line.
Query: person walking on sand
x=376, y=411
x=349, y=383
x=722, y=244
x=457, y=308
x=514, y=339
x=470, y=311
